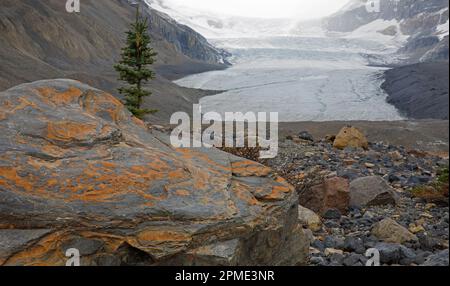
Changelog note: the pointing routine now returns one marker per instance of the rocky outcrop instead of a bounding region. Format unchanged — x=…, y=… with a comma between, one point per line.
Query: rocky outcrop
x=78, y=171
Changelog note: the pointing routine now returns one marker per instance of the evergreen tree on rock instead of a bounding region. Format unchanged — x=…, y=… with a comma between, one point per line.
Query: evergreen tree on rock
x=133, y=67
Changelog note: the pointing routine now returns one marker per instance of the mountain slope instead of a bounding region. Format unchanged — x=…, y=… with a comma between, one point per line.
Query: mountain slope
x=40, y=40
x=423, y=22
x=420, y=91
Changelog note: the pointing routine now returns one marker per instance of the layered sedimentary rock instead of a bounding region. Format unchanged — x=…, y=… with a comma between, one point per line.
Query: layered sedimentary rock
x=78, y=171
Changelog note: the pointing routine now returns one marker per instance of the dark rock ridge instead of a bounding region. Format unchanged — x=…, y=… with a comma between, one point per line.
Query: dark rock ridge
x=418, y=19
x=40, y=40
x=78, y=171
x=420, y=91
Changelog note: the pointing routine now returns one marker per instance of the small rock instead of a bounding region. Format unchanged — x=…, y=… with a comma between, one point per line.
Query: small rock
x=309, y=219
x=440, y=259
x=354, y=244
x=317, y=260
x=330, y=251
x=394, y=253
x=332, y=214
x=352, y=260
x=318, y=245
x=369, y=165
x=430, y=206
x=416, y=229
x=427, y=215
x=396, y=155
x=305, y=135
x=389, y=230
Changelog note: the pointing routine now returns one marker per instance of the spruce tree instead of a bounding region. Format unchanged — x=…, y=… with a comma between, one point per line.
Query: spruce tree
x=133, y=67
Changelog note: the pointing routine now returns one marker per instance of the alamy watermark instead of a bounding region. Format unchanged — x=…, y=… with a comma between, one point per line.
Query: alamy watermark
x=374, y=6
x=74, y=257
x=226, y=131
x=73, y=6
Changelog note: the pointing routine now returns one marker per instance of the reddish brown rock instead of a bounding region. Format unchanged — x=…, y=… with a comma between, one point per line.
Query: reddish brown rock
x=331, y=194
x=78, y=171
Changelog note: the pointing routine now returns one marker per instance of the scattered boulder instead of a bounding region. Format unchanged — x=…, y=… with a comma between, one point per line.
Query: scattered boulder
x=333, y=193
x=350, y=137
x=78, y=170
x=371, y=191
x=390, y=231
x=309, y=219
x=305, y=135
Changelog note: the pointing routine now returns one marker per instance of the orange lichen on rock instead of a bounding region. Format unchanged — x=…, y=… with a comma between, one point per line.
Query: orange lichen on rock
x=51, y=95
x=247, y=168
x=2, y=114
x=43, y=253
x=24, y=103
x=243, y=192
x=84, y=173
x=156, y=235
x=94, y=103
x=53, y=150
x=9, y=177
x=69, y=131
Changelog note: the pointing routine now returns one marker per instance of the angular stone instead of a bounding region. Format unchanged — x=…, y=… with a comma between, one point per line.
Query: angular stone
x=390, y=231
x=350, y=137
x=333, y=193
x=371, y=191
x=75, y=162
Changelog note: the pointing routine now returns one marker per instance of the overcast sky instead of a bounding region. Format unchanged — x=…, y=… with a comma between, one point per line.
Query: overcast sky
x=303, y=9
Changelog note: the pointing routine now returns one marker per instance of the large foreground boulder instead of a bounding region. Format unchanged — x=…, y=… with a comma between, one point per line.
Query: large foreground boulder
x=78, y=171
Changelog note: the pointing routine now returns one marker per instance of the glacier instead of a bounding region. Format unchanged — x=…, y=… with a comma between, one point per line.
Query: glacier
x=291, y=67
x=301, y=78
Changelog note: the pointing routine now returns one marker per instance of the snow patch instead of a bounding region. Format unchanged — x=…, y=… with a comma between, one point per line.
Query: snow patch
x=442, y=30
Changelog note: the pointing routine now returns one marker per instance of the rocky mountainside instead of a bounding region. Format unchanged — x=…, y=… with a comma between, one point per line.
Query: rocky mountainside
x=424, y=22
x=419, y=91
x=40, y=40
x=78, y=171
